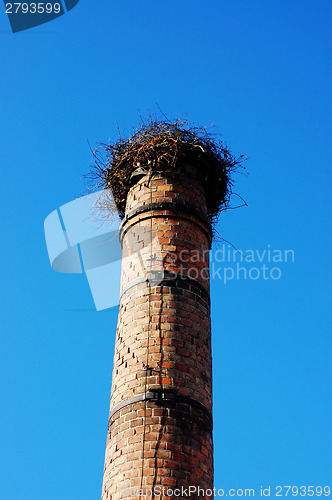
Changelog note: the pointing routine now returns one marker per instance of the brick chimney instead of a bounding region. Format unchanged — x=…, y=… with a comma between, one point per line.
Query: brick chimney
x=160, y=424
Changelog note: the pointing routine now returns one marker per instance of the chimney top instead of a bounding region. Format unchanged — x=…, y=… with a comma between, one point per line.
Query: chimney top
x=161, y=146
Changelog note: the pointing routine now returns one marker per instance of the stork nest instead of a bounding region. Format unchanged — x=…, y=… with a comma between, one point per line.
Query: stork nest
x=160, y=146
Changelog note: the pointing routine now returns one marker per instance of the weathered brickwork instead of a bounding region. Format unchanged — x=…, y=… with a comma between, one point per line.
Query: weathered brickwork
x=167, y=187
x=177, y=452
x=163, y=343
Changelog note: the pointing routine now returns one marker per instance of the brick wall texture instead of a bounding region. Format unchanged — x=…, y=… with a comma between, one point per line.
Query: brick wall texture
x=163, y=344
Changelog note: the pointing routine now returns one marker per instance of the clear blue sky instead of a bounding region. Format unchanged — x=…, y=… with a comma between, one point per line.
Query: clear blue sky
x=261, y=72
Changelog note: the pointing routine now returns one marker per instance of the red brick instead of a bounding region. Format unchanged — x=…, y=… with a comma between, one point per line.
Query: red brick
x=164, y=443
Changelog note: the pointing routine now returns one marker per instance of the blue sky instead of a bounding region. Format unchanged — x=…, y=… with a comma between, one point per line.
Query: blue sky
x=261, y=72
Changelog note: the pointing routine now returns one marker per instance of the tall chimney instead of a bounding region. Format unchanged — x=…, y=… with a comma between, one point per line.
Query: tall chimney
x=160, y=424
x=169, y=182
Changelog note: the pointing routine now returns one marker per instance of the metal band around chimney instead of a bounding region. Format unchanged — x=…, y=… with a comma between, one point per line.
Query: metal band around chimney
x=160, y=396
x=170, y=280
x=175, y=206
